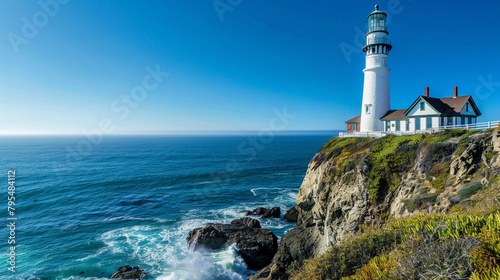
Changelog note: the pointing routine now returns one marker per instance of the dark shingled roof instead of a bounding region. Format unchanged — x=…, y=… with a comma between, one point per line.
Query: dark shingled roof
x=455, y=105
x=354, y=120
x=449, y=105
x=395, y=115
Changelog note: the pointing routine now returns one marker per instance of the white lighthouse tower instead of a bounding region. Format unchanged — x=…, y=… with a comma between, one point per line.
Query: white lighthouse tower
x=376, y=96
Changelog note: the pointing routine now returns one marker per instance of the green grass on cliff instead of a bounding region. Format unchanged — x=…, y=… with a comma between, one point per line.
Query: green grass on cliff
x=389, y=157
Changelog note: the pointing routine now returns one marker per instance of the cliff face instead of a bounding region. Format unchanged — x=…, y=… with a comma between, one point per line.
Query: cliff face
x=358, y=181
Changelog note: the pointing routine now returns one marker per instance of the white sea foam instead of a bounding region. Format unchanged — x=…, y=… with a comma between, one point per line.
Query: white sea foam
x=128, y=218
x=257, y=189
x=282, y=174
x=164, y=252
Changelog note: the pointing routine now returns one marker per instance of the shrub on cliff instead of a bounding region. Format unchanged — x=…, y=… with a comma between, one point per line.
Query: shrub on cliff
x=343, y=260
x=429, y=257
x=470, y=190
x=402, y=247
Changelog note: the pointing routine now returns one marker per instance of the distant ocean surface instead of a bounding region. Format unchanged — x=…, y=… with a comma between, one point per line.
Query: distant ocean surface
x=85, y=210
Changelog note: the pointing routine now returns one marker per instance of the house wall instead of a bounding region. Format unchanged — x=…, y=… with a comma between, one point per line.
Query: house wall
x=350, y=127
x=423, y=123
x=393, y=126
x=435, y=122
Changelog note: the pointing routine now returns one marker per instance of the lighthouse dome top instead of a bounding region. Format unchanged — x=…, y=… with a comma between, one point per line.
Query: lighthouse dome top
x=377, y=11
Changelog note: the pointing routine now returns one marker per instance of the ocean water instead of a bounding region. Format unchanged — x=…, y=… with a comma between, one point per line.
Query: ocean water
x=86, y=208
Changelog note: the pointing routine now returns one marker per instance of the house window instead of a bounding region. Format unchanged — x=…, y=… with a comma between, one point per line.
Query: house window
x=442, y=121
x=422, y=106
x=450, y=121
x=417, y=123
x=467, y=107
x=428, y=123
x=398, y=125
x=408, y=125
x=470, y=120
x=354, y=125
x=387, y=126
x=462, y=120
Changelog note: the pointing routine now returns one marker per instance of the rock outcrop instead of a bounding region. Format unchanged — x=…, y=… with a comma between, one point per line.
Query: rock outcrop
x=128, y=272
x=363, y=181
x=274, y=212
x=292, y=214
x=256, y=245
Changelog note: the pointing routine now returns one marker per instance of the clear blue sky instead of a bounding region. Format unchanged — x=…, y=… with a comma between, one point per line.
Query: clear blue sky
x=230, y=70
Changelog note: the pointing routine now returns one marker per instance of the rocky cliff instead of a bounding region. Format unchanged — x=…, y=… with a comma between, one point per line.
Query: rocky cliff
x=353, y=182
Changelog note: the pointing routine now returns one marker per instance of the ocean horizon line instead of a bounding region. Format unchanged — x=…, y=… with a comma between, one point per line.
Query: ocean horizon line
x=190, y=133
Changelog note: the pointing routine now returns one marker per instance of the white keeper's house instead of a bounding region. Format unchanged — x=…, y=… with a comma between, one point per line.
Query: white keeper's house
x=425, y=114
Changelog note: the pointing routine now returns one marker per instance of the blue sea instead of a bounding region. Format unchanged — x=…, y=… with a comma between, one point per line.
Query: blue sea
x=85, y=207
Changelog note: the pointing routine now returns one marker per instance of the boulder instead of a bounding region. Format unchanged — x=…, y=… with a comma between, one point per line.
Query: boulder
x=128, y=272
x=249, y=222
x=257, y=246
x=274, y=212
x=257, y=211
x=292, y=214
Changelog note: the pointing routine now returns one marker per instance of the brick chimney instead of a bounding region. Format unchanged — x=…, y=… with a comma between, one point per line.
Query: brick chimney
x=426, y=91
x=455, y=92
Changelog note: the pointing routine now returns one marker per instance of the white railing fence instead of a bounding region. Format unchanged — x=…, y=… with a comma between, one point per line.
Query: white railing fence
x=378, y=134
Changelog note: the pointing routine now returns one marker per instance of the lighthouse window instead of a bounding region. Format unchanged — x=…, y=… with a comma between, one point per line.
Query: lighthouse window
x=422, y=106
x=367, y=109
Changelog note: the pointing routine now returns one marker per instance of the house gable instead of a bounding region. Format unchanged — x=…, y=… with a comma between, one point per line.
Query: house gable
x=415, y=110
x=473, y=110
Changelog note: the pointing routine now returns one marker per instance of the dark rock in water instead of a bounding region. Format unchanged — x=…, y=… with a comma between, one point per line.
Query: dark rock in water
x=210, y=236
x=275, y=212
x=128, y=272
x=82, y=272
x=265, y=212
x=249, y=222
x=255, y=245
x=292, y=214
x=257, y=211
